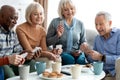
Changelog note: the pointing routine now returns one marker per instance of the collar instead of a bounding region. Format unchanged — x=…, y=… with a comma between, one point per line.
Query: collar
x=72, y=24
x=3, y=30
x=114, y=30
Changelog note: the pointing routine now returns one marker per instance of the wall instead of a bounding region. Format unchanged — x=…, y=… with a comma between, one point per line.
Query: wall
x=87, y=9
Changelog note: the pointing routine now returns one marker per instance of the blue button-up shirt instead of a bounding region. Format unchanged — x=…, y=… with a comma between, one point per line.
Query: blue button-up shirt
x=9, y=43
x=110, y=48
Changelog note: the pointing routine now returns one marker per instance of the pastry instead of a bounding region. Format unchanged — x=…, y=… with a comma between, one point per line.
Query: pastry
x=46, y=74
x=52, y=75
x=59, y=75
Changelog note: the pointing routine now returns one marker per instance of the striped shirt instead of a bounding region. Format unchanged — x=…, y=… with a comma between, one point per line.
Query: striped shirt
x=9, y=43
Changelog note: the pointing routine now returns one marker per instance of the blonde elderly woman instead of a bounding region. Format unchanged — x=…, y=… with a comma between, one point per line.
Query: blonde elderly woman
x=68, y=31
x=31, y=34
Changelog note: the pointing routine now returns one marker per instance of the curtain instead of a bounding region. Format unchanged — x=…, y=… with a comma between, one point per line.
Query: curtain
x=44, y=3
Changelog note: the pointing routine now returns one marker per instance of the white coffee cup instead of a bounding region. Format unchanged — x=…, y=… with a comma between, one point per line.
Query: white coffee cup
x=56, y=67
x=76, y=71
x=49, y=64
x=24, y=72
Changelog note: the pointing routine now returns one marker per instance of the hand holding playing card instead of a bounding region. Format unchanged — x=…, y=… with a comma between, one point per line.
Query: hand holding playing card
x=24, y=54
x=36, y=49
x=37, y=52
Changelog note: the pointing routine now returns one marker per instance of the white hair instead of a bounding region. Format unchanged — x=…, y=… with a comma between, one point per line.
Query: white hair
x=105, y=14
x=62, y=4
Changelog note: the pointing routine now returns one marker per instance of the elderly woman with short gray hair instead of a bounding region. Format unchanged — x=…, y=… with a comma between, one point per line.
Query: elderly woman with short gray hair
x=68, y=31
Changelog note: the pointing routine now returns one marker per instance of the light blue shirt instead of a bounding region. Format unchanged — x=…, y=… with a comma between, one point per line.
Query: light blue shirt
x=110, y=48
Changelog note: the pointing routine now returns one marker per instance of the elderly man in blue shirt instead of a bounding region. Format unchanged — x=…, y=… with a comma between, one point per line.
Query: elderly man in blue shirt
x=106, y=44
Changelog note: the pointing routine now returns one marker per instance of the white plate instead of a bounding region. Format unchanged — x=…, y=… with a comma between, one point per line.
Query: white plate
x=46, y=78
x=66, y=68
x=86, y=69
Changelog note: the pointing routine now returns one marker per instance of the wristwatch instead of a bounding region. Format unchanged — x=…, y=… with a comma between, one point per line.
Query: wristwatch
x=103, y=58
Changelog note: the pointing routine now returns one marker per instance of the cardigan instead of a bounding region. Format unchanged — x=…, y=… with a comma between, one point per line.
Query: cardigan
x=78, y=35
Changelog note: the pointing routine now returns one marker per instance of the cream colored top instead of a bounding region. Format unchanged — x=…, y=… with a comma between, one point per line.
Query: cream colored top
x=30, y=36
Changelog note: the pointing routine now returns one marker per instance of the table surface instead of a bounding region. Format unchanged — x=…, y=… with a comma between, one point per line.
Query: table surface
x=85, y=75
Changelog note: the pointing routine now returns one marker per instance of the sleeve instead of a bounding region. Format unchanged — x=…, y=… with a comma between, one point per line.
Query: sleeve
x=3, y=61
x=17, y=47
x=52, y=38
x=94, y=45
x=23, y=39
x=111, y=59
x=43, y=41
x=82, y=35
x=90, y=60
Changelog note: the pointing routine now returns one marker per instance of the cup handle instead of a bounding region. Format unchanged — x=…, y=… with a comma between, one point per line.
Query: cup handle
x=35, y=67
x=91, y=70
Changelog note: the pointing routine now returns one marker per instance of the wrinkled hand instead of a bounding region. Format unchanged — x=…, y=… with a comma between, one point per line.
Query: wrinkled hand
x=37, y=53
x=84, y=47
x=57, y=51
x=95, y=55
x=15, y=59
x=30, y=56
x=60, y=30
x=51, y=56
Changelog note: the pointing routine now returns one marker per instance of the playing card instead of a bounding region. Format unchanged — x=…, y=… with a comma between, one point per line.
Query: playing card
x=24, y=54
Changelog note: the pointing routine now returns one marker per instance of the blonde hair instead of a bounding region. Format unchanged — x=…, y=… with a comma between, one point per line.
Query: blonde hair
x=32, y=7
x=62, y=5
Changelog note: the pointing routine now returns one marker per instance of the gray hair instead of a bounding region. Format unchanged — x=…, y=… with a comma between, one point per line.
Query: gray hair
x=62, y=4
x=32, y=7
x=105, y=14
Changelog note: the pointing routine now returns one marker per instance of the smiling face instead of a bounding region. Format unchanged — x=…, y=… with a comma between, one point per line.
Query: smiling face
x=34, y=14
x=9, y=17
x=37, y=17
x=102, y=25
x=68, y=11
x=12, y=20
